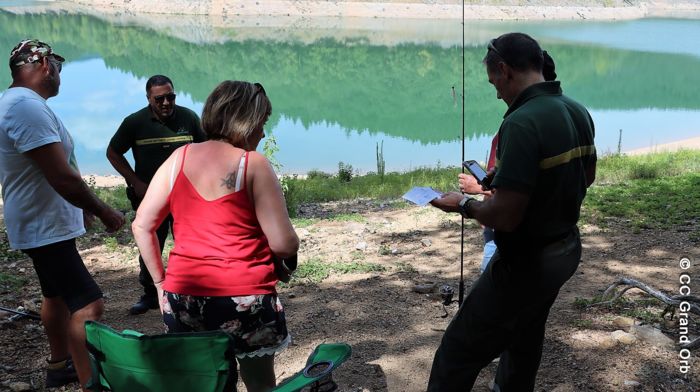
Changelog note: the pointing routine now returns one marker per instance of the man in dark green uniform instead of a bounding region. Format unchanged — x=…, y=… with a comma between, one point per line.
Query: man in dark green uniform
x=545, y=162
x=152, y=134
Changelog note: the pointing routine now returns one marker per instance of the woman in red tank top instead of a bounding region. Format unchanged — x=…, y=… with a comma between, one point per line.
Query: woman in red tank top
x=231, y=224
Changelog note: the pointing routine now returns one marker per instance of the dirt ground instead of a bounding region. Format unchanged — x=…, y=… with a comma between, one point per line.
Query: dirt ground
x=393, y=330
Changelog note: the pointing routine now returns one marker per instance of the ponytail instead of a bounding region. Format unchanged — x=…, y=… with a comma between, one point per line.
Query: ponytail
x=548, y=67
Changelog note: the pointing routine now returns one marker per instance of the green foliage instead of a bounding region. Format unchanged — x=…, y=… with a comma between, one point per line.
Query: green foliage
x=583, y=303
x=303, y=222
x=317, y=189
x=344, y=172
x=655, y=203
x=317, y=174
x=347, y=218
x=315, y=270
x=651, y=191
x=403, y=266
x=620, y=168
x=6, y=253
x=648, y=310
x=357, y=255
x=111, y=243
x=270, y=149
x=582, y=323
x=384, y=250
x=11, y=283
x=357, y=267
x=647, y=314
x=114, y=197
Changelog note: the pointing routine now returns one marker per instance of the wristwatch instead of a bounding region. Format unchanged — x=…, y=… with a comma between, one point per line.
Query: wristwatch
x=464, y=207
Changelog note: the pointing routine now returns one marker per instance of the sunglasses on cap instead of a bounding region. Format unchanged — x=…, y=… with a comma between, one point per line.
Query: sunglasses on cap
x=492, y=47
x=160, y=98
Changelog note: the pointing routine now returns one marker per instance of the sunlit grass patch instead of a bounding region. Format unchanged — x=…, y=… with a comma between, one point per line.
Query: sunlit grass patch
x=315, y=270
x=11, y=283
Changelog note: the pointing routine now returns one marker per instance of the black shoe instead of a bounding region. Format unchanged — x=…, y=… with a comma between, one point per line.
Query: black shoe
x=146, y=302
x=62, y=375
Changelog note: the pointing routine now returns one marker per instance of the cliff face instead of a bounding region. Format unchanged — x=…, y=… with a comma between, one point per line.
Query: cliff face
x=424, y=9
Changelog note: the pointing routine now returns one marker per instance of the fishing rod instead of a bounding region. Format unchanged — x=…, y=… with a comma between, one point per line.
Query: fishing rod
x=18, y=313
x=461, y=232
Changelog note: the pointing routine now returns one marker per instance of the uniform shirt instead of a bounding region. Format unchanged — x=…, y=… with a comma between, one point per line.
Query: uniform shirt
x=35, y=214
x=152, y=141
x=545, y=145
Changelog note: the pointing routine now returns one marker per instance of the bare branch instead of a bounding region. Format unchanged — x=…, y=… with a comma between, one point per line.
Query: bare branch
x=692, y=345
x=693, y=301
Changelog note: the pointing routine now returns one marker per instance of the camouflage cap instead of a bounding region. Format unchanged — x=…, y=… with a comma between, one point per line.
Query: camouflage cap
x=30, y=51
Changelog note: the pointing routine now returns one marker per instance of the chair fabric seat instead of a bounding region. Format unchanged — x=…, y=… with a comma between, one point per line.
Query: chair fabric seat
x=130, y=361
x=183, y=362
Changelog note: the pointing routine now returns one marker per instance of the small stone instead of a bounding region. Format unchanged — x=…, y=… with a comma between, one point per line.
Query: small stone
x=652, y=336
x=22, y=270
x=336, y=313
x=623, y=323
x=424, y=288
x=20, y=386
x=631, y=383
x=291, y=295
x=361, y=245
x=394, y=251
x=623, y=337
x=30, y=306
x=607, y=342
x=426, y=242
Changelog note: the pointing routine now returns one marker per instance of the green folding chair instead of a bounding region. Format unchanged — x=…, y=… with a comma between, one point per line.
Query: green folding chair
x=199, y=361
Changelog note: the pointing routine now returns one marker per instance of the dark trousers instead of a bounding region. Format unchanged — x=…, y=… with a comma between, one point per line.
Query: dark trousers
x=505, y=314
x=162, y=232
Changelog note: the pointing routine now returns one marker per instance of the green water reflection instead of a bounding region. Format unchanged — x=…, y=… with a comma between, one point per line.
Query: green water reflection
x=403, y=90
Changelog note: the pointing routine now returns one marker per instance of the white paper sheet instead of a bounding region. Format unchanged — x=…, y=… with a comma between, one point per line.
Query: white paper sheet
x=421, y=195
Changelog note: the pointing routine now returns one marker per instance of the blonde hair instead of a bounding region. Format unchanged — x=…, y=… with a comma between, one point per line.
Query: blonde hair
x=234, y=110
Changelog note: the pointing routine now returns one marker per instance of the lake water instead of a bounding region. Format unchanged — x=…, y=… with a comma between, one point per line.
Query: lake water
x=340, y=86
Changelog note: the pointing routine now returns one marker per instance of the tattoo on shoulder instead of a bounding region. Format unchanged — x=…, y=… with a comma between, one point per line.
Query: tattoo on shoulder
x=230, y=181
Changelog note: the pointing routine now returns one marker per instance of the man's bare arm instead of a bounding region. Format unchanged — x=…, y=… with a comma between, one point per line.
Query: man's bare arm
x=66, y=181
x=122, y=166
x=503, y=211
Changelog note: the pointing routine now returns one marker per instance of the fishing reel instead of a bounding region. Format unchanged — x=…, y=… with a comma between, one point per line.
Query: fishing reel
x=446, y=293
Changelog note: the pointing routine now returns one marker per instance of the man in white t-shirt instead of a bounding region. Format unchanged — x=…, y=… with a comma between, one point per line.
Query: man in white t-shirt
x=44, y=202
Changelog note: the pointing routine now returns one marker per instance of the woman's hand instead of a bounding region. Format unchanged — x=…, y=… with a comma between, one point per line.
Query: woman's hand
x=160, y=294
